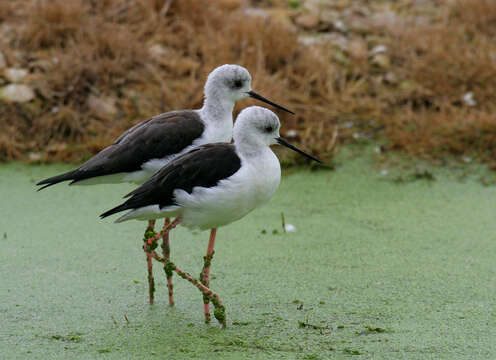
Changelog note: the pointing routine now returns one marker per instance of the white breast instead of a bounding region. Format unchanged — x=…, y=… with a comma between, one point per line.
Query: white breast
x=251, y=186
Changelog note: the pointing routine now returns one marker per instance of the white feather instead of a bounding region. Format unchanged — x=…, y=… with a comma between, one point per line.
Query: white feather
x=150, y=212
x=233, y=197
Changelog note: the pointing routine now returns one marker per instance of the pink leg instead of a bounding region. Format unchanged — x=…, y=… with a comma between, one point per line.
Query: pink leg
x=205, y=274
x=166, y=254
x=220, y=311
x=170, y=226
x=148, y=248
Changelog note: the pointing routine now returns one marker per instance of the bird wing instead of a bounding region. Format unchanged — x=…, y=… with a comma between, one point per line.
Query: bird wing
x=160, y=136
x=204, y=166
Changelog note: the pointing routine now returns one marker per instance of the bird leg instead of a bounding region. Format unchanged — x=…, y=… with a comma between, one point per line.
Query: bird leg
x=166, y=254
x=169, y=227
x=219, y=309
x=149, y=245
x=169, y=266
x=205, y=274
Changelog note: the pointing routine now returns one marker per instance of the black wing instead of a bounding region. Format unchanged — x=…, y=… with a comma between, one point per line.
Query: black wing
x=204, y=166
x=160, y=136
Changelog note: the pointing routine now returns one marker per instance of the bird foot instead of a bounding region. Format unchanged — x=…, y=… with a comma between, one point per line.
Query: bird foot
x=219, y=309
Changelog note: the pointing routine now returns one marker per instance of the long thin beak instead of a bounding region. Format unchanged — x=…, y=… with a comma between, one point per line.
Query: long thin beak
x=254, y=95
x=283, y=142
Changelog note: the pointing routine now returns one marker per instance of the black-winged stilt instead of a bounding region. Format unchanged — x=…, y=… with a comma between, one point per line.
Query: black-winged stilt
x=211, y=186
x=146, y=147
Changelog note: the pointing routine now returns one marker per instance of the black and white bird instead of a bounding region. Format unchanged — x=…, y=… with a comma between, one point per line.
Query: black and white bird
x=146, y=147
x=213, y=185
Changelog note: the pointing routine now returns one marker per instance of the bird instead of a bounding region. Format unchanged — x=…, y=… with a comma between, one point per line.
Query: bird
x=146, y=147
x=211, y=186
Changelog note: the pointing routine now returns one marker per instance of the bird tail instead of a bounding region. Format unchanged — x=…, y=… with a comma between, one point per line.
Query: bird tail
x=115, y=210
x=70, y=175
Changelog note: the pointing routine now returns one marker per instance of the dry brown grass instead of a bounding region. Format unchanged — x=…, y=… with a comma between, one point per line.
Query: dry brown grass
x=443, y=62
x=53, y=23
x=76, y=49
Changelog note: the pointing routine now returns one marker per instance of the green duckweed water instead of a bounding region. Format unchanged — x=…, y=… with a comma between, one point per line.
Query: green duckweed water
x=375, y=270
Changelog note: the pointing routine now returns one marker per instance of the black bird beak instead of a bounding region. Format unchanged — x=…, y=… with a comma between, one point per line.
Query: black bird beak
x=254, y=95
x=283, y=142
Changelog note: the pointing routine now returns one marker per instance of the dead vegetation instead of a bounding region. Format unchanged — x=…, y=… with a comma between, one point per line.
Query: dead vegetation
x=450, y=105
x=425, y=87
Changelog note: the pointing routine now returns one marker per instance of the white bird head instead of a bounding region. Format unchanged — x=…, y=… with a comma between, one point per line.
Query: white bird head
x=229, y=81
x=233, y=83
x=257, y=127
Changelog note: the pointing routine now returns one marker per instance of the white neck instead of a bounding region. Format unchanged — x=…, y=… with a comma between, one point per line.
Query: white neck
x=262, y=159
x=249, y=148
x=216, y=109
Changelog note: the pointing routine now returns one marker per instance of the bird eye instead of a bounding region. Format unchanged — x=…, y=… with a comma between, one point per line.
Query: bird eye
x=237, y=84
x=268, y=129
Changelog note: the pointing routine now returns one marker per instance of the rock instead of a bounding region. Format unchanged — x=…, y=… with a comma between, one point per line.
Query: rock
x=357, y=48
x=385, y=19
x=256, y=12
x=307, y=21
x=469, y=100
x=16, y=93
x=341, y=4
x=3, y=61
x=15, y=75
x=329, y=16
x=339, y=25
x=359, y=25
x=334, y=39
x=312, y=6
x=378, y=49
x=308, y=40
x=102, y=107
x=157, y=51
x=391, y=78
x=381, y=60
x=34, y=156
x=337, y=40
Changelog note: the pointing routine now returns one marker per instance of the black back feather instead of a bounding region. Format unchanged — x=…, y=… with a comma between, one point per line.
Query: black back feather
x=155, y=138
x=204, y=166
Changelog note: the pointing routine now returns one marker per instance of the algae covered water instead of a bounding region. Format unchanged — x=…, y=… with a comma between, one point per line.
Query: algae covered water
x=374, y=270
